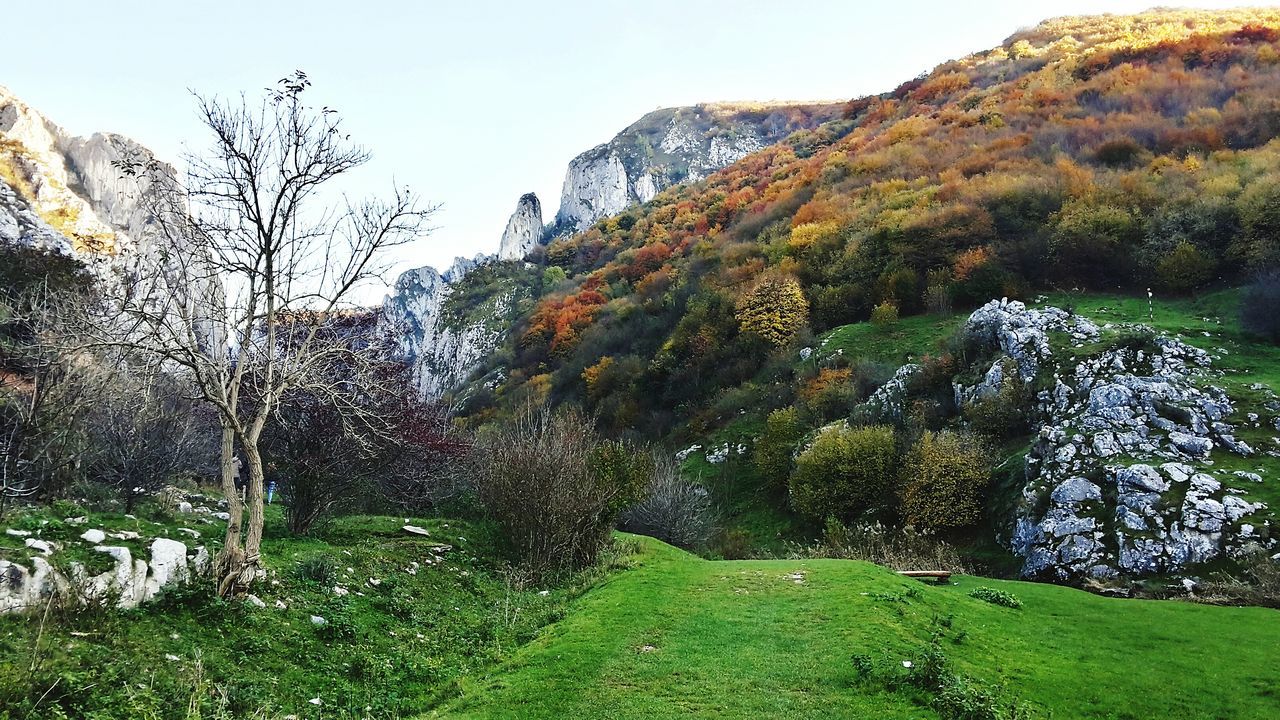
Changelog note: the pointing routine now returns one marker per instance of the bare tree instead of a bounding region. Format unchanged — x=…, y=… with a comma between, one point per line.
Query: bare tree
x=258, y=256
x=44, y=392
x=675, y=510
x=142, y=433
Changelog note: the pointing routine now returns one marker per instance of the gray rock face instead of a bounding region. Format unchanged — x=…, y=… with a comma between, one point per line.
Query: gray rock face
x=1116, y=482
x=71, y=200
x=442, y=354
x=524, y=229
x=130, y=582
x=888, y=402
x=670, y=146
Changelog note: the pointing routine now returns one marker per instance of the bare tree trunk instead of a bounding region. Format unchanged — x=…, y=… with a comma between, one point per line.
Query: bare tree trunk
x=231, y=559
x=256, y=495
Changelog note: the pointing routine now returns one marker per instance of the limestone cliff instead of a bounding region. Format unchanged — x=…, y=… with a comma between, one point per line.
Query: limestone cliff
x=441, y=353
x=671, y=146
x=524, y=229
x=63, y=194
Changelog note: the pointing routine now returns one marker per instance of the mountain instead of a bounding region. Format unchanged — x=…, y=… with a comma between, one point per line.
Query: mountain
x=62, y=194
x=670, y=146
x=663, y=148
x=1096, y=154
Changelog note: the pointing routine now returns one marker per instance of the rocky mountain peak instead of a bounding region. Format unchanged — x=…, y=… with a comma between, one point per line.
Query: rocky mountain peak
x=524, y=229
x=670, y=146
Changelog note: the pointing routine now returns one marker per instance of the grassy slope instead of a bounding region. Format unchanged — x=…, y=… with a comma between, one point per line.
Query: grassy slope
x=683, y=637
x=393, y=648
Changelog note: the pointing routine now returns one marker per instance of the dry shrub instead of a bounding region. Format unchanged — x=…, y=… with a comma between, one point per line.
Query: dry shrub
x=677, y=510
x=554, y=487
x=898, y=548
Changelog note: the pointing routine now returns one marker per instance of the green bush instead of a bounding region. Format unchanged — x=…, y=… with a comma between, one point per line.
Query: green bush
x=1260, y=306
x=773, y=450
x=1185, y=268
x=846, y=472
x=996, y=597
x=318, y=569
x=884, y=315
x=1005, y=413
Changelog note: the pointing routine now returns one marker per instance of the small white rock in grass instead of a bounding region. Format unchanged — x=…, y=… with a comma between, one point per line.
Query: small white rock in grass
x=544, y=593
x=318, y=621
x=315, y=701
x=255, y=601
x=908, y=664
x=171, y=657
x=40, y=546
x=280, y=605
x=18, y=533
x=375, y=582
x=340, y=591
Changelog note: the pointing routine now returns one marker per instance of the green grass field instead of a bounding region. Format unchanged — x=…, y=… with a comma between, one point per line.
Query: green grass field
x=679, y=636
x=411, y=619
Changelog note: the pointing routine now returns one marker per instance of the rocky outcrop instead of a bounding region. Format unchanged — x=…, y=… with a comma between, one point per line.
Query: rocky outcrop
x=671, y=146
x=441, y=351
x=68, y=195
x=524, y=229
x=1120, y=478
x=130, y=582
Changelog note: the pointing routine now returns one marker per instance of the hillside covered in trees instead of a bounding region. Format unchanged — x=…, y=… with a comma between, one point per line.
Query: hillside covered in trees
x=824, y=282
x=1104, y=153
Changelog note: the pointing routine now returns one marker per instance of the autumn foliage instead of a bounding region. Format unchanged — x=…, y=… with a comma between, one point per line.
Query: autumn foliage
x=1110, y=152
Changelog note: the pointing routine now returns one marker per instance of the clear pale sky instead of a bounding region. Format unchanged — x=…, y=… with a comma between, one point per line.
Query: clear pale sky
x=474, y=103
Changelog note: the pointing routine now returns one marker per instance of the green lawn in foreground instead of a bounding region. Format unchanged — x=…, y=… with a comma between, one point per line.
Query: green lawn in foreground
x=678, y=636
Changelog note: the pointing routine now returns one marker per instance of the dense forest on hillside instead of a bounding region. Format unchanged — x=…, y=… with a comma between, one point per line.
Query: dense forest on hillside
x=1105, y=153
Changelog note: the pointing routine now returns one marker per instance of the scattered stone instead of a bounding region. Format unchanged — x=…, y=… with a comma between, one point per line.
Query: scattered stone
x=40, y=546
x=93, y=537
x=17, y=533
x=184, y=507
x=1193, y=445
x=255, y=601
x=415, y=530
x=318, y=621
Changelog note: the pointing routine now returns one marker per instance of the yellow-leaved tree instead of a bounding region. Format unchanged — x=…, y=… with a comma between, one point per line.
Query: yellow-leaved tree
x=944, y=479
x=774, y=308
